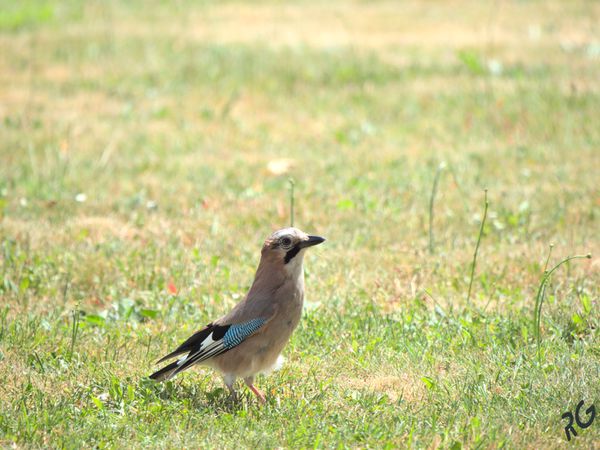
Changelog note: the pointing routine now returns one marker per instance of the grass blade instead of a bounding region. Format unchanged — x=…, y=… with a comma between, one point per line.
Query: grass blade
x=539, y=298
x=474, y=262
x=292, y=183
x=436, y=180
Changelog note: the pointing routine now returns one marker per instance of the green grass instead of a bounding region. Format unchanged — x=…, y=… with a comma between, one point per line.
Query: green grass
x=166, y=117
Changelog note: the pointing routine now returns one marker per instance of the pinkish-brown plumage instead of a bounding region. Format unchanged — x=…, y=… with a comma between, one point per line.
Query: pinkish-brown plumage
x=249, y=339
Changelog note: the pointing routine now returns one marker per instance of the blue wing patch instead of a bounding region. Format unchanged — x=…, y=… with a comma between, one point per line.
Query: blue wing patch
x=207, y=343
x=240, y=331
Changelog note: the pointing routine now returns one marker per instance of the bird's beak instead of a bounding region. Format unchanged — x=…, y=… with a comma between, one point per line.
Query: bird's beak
x=312, y=240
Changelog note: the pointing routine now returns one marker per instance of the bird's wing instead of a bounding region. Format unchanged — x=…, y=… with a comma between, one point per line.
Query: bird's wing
x=211, y=341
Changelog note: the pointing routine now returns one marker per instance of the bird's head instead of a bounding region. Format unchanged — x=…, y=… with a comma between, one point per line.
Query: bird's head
x=287, y=246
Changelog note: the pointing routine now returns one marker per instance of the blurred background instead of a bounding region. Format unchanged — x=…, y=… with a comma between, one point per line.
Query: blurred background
x=146, y=149
x=183, y=121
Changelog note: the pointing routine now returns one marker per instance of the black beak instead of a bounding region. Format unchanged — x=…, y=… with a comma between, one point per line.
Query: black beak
x=312, y=240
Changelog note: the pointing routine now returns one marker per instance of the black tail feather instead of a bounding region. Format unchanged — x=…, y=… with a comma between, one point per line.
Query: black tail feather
x=165, y=372
x=172, y=355
x=191, y=344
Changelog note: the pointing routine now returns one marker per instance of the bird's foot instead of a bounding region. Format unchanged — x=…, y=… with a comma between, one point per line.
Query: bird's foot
x=260, y=395
x=233, y=395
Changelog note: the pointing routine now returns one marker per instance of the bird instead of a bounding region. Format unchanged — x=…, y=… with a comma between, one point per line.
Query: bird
x=250, y=338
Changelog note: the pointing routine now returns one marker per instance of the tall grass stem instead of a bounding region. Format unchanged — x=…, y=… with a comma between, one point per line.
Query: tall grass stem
x=474, y=262
x=434, y=188
x=539, y=298
x=292, y=184
x=74, y=330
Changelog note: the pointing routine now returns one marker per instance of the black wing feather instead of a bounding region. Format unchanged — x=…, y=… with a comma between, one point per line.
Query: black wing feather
x=164, y=373
x=192, y=346
x=193, y=342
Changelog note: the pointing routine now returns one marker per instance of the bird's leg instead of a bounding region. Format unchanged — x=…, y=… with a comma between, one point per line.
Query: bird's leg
x=249, y=382
x=260, y=395
x=229, y=382
x=232, y=394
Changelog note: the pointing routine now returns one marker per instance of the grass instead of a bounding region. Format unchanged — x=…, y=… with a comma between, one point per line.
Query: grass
x=138, y=143
x=539, y=298
x=474, y=263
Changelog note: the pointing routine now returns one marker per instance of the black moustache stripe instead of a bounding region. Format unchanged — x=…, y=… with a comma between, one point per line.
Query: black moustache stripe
x=292, y=252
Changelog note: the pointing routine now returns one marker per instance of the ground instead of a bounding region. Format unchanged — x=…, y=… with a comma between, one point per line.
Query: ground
x=145, y=153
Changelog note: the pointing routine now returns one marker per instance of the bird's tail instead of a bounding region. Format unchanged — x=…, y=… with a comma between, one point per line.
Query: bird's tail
x=165, y=373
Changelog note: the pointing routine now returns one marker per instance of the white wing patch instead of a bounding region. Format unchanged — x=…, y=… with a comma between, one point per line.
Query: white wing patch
x=206, y=342
x=207, y=345
x=208, y=348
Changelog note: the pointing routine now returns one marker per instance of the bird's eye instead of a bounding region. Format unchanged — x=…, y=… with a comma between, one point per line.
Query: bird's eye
x=286, y=242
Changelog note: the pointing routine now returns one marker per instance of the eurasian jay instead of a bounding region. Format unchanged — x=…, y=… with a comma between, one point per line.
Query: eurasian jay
x=249, y=339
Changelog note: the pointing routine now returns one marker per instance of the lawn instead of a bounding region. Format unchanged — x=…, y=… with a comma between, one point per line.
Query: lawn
x=146, y=151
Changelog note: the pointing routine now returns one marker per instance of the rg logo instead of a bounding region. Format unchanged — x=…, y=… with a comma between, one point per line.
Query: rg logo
x=591, y=412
